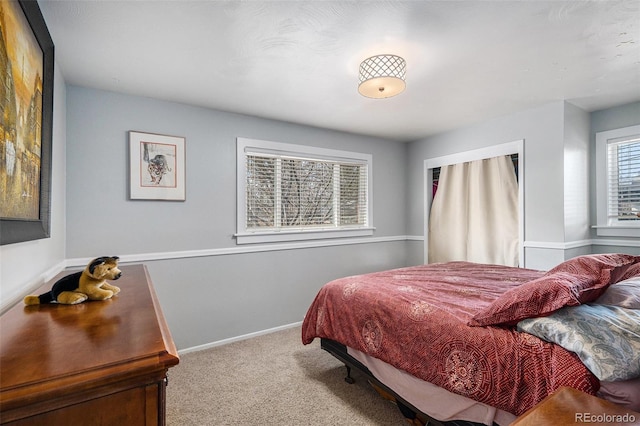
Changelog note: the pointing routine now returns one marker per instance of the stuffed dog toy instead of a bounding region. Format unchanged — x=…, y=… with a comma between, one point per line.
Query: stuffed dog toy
x=87, y=284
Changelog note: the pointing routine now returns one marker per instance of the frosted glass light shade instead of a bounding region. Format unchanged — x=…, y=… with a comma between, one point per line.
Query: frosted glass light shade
x=382, y=76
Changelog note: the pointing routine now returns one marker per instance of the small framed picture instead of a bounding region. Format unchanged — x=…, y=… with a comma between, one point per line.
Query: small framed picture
x=157, y=167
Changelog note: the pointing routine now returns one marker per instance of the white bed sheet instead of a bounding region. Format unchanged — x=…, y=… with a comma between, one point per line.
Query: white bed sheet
x=430, y=399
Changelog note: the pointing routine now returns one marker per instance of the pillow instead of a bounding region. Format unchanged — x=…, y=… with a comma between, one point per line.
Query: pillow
x=579, y=280
x=633, y=271
x=534, y=298
x=624, y=294
x=605, y=338
x=608, y=267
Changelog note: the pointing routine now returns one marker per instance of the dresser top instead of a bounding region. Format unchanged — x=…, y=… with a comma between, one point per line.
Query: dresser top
x=54, y=345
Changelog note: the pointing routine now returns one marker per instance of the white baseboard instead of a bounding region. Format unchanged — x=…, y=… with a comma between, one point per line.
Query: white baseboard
x=238, y=338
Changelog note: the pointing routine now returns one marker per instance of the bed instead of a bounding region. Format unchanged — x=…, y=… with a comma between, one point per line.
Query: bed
x=466, y=341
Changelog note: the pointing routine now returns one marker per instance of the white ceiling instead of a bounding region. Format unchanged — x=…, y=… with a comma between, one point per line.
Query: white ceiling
x=297, y=61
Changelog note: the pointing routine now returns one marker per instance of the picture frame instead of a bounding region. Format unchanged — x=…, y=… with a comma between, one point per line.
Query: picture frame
x=25, y=151
x=157, y=168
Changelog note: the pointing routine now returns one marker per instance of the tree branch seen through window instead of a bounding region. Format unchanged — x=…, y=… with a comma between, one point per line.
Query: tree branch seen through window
x=301, y=193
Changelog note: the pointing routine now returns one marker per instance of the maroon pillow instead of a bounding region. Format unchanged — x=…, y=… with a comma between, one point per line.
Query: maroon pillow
x=579, y=280
x=608, y=268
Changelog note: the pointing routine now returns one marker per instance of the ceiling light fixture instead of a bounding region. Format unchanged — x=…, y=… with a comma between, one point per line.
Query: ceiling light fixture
x=382, y=76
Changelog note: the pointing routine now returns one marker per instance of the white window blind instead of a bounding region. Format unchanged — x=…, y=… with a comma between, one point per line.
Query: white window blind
x=296, y=193
x=618, y=182
x=292, y=192
x=623, y=180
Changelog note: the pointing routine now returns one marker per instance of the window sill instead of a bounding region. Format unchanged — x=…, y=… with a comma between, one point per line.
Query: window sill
x=617, y=231
x=272, y=237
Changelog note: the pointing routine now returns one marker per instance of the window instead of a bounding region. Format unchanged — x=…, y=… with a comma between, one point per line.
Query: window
x=618, y=182
x=293, y=192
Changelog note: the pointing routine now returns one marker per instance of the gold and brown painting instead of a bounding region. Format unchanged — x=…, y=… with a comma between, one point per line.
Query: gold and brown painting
x=21, y=66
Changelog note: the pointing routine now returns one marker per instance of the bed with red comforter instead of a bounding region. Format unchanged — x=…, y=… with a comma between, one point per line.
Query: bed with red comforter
x=453, y=324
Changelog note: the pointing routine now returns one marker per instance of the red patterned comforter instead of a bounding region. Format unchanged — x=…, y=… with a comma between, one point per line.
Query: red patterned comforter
x=416, y=320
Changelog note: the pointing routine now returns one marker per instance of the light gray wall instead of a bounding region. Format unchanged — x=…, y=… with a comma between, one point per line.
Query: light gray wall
x=216, y=296
x=25, y=266
x=559, y=177
x=207, y=299
x=610, y=119
x=213, y=296
x=543, y=132
x=576, y=177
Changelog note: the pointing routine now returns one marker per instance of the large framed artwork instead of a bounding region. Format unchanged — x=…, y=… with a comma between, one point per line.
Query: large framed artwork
x=26, y=100
x=157, y=167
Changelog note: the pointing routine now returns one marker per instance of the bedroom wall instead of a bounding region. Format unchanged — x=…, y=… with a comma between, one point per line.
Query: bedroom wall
x=27, y=265
x=555, y=139
x=210, y=288
x=603, y=120
x=576, y=178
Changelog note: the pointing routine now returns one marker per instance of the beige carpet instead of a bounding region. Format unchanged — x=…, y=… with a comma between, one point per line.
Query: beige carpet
x=271, y=380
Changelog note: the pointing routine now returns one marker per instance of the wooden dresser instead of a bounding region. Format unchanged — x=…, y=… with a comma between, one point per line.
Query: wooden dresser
x=568, y=406
x=96, y=363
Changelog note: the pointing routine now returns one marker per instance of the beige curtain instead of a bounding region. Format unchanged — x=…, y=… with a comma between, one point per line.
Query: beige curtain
x=474, y=214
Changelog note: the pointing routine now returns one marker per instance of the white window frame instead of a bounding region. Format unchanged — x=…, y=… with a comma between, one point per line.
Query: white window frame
x=604, y=226
x=246, y=236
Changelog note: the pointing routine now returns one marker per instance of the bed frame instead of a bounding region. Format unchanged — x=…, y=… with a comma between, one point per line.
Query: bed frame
x=414, y=415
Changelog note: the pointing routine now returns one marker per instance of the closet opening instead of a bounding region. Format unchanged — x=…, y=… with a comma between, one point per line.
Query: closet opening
x=432, y=177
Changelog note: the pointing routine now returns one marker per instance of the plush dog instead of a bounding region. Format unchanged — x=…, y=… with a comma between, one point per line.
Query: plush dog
x=87, y=284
